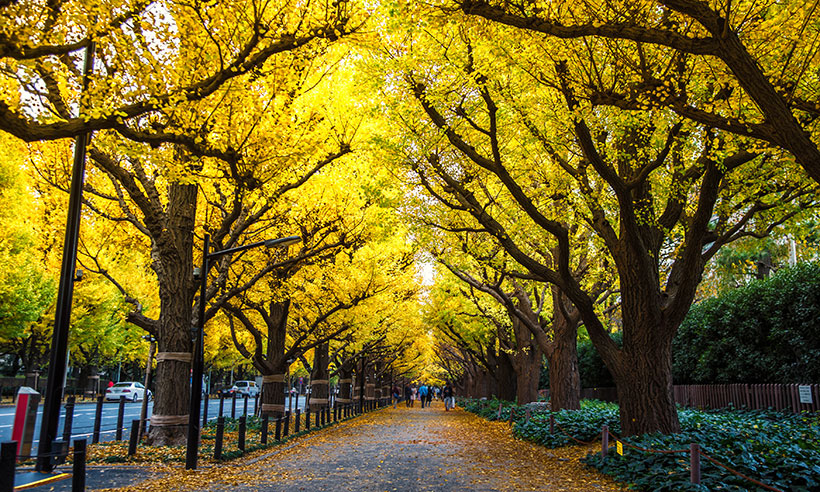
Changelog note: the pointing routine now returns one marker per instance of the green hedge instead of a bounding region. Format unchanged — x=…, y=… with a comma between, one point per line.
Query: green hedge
x=765, y=332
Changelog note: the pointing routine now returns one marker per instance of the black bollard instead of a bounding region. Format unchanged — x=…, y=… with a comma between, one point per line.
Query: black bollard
x=286, y=430
x=297, y=421
x=97, y=421
x=134, y=437
x=233, y=405
x=78, y=472
x=204, y=409
x=69, y=419
x=278, y=429
x=221, y=403
x=319, y=417
x=245, y=405
x=220, y=433
x=59, y=451
x=242, y=433
x=8, y=460
x=120, y=416
x=307, y=418
x=256, y=404
x=264, y=438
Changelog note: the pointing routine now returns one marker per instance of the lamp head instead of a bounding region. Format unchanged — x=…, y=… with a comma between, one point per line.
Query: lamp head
x=282, y=241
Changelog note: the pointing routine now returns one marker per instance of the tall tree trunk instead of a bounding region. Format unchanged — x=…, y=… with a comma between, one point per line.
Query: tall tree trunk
x=173, y=263
x=527, y=374
x=274, y=366
x=562, y=356
x=319, y=385
x=507, y=384
x=643, y=377
x=345, y=384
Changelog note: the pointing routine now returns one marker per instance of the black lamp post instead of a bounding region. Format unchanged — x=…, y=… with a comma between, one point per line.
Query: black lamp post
x=197, y=365
x=62, y=318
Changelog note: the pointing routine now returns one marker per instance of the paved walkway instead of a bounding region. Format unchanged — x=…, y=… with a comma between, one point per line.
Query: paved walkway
x=406, y=449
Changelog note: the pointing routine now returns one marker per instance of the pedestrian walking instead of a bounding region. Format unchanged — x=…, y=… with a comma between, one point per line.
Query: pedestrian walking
x=449, y=399
x=408, y=395
x=396, y=395
x=423, y=394
x=413, y=393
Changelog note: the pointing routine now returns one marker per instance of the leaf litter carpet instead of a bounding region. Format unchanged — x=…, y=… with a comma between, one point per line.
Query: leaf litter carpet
x=406, y=449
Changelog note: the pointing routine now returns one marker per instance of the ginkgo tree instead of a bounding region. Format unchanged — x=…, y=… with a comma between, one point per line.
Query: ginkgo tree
x=207, y=166
x=740, y=66
x=660, y=196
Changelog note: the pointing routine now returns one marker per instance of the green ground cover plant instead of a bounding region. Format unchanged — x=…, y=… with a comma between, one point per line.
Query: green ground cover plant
x=779, y=449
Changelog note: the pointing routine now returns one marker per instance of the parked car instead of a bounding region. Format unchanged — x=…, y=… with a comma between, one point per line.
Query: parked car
x=131, y=390
x=242, y=388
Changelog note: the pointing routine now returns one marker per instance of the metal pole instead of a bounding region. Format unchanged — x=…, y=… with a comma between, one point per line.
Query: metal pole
x=8, y=461
x=191, y=450
x=59, y=340
x=144, y=409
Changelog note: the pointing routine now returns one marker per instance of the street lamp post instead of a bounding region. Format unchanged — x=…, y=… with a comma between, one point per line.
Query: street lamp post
x=198, y=359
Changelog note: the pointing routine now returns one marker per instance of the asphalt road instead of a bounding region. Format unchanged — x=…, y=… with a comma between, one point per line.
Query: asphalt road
x=84, y=413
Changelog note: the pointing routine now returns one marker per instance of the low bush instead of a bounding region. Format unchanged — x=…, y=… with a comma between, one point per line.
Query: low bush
x=778, y=449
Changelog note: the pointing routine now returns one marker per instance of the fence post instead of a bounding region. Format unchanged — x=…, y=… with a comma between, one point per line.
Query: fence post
x=694, y=463
x=286, y=430
x=204, y=410
x=69, y=419
x=132, y=439
x=604, y=441
x=221, y=403
x=552, y=423
x=498, y=417
x=307, y=418
x=120, y=415
x=245, y=404
x=296, y=422
x=8, y=460
x=242, y=433
x=233, y=405
x=97, y=421
x=220, y=433
x=78, y=472
x=278, y=429
x=512, y=415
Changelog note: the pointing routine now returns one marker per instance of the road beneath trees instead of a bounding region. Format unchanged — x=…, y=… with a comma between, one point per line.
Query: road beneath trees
x=404, y=449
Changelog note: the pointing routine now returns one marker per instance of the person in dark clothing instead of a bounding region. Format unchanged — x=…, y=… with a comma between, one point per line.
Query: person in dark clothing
x=396, y=394
x=408, y=395
x=449, y=399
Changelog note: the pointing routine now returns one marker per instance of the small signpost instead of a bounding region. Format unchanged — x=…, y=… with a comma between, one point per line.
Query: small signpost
x=25, y=416
x=805, y=394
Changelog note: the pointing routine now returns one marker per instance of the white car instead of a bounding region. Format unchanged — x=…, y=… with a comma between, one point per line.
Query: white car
x=132, y=391
x=245, y=388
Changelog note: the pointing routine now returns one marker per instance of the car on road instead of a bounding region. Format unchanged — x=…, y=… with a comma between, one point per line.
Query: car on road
x=241, y=388
x=131, y=390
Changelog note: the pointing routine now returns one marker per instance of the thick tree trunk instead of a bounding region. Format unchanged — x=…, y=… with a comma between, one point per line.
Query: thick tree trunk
x=644, y=382
x=345, y=385
x=507, y=388
x=562, y=359
x=527, y=374
x=319, y=378
x=173, y=264
x=274, y=366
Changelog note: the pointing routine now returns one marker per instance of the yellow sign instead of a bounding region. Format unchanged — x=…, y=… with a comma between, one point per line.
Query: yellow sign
x=620, y=447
